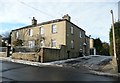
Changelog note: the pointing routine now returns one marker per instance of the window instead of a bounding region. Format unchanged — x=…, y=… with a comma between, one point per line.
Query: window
x=72, y=44
x=71, y=30
x=54, y=30
x=42, y=43
x=80, y=34
x=17, y=34
x=41, y=30
x=30, y=32
x=31, y=44
x=53, y=43
x=81, y=43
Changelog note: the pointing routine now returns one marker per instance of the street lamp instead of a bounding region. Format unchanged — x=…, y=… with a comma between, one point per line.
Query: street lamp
x=114, y=45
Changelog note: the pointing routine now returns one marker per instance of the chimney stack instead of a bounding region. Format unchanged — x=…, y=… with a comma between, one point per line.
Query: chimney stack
x=34, y=21
x=67, y=17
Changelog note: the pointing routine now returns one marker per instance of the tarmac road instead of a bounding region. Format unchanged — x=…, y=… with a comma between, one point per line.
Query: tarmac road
x=10, y=71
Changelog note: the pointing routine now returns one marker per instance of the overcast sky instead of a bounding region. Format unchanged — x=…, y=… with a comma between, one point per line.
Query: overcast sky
x=92, y=16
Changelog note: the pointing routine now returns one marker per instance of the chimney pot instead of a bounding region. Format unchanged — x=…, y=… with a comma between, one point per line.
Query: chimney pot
x=34, y=21
x=67, y=17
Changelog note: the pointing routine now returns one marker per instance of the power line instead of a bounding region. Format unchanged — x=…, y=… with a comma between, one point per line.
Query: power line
x=35, y=8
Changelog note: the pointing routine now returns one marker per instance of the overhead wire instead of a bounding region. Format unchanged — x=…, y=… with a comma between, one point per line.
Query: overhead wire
x=35, y=9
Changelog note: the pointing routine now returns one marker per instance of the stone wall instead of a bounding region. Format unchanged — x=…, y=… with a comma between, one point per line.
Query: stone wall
x=3, y=54
x=25, y=56
x=45, y=55
x=52, y=54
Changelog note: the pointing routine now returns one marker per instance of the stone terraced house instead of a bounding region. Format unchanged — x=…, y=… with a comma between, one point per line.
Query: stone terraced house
x=57, y=39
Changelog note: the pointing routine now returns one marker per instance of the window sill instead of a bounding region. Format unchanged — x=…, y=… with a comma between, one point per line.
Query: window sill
x=54, y=32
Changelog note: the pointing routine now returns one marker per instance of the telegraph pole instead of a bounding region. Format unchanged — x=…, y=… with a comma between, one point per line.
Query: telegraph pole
x=114, y=45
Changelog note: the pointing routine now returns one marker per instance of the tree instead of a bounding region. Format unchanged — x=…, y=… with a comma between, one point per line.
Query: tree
x=102, y=48
x=105, y=49
x=5, y=34
x=98, y=45
x=18, y=42
x=117, y=38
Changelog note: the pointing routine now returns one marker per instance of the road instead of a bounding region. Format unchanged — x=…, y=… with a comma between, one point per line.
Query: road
x=19, y=72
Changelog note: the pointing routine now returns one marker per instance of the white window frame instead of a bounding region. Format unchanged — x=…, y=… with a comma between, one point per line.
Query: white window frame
x=31, y=44
x=72, y=30
x=17, y=34
x=54, y=28
x=42, y=43
x=41, y=30
x=30, y=32
x=72, y=44
x=80, y=34
x=53, y=43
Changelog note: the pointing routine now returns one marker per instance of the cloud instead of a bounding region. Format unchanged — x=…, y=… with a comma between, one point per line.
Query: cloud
x=93, y=17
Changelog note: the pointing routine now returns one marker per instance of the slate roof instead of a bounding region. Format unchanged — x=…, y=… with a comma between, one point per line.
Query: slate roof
x=47, y=22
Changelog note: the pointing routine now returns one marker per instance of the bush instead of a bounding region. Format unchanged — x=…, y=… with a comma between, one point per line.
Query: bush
x=18, y=42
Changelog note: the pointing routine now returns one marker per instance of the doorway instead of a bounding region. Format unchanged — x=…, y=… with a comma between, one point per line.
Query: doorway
x=68, y=54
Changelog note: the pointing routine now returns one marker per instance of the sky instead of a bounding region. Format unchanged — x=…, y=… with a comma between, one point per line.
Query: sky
x=92, y=16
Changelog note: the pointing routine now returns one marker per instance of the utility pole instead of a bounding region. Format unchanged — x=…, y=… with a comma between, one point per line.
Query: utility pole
x=114, y=45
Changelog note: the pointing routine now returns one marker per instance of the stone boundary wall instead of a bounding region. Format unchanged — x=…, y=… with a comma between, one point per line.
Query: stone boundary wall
x=3, y=54
x=25, y=56
x=3, y=51
x=44, y=55
x=52, y=54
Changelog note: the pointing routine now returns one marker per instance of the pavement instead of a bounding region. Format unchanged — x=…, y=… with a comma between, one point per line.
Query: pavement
x=96, y=64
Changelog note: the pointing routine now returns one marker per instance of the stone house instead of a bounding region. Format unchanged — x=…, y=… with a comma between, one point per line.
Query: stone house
x=92, y=48
x=54, y=34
